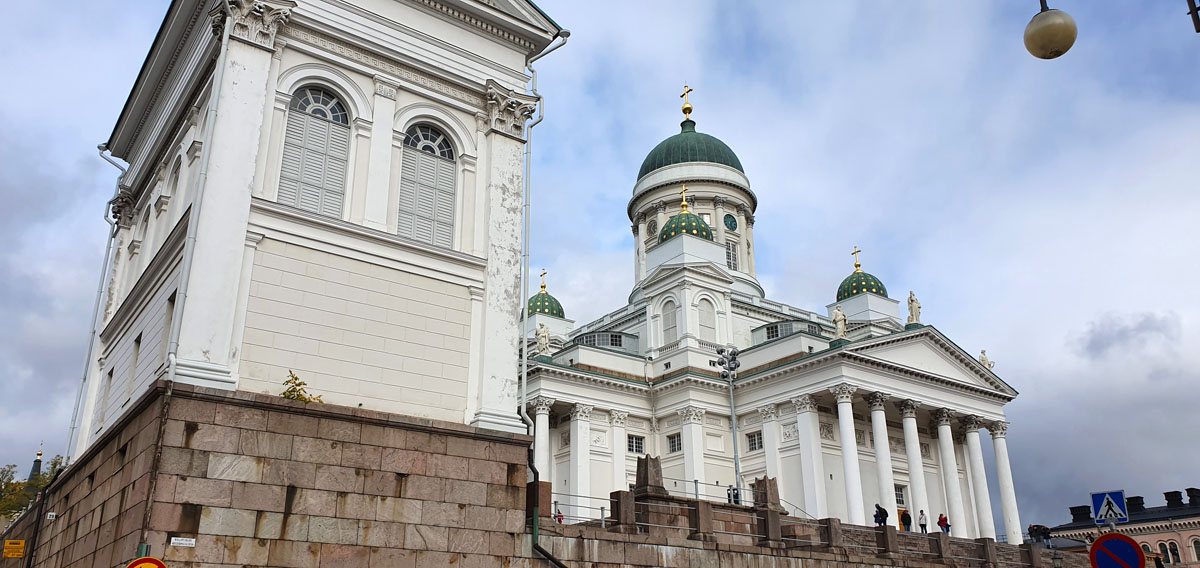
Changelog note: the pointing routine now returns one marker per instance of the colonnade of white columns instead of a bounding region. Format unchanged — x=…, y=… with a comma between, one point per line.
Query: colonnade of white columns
x=815, y=497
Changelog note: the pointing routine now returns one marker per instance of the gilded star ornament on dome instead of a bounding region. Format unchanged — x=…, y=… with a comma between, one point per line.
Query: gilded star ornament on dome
x=544, y=303
x=684, y=223
x=859, y=282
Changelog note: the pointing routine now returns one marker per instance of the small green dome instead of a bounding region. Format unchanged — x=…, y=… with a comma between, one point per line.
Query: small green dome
x=544, y=303
x=689, y=146
x=684, y=223
x=860, y=282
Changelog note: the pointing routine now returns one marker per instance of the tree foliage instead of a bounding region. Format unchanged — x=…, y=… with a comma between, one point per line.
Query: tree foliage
x=296, y=391
x=16, y=495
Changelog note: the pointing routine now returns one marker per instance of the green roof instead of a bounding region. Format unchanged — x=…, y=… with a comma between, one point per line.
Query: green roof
x=689, y=146
x=858, y=283
x=684, y=223
x=544, y=303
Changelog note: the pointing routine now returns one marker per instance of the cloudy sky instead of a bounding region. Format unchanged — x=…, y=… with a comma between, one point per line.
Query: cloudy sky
x=1044, y=210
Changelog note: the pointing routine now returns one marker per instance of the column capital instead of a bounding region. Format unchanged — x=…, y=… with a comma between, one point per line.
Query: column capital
x=617, y=418
x=971, y=423
x=877, y=400
x=843, y=393
x=541, y=404
x=768, y=413
x=718, y=201
x=691, y=415
x=908, y=408
x=254, y=21
x=661, y=206
x=999, y=429
x=508, y=110
x=581, y=412
x=386, y=87
x=942, y=416
x=805, y=403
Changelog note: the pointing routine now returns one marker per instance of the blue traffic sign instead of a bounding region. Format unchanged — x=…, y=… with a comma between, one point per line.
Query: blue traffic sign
x=1115, y=550
x=1109, y=507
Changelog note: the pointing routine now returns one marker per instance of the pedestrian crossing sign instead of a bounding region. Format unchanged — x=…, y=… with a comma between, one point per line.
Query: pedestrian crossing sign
x=1109, y=507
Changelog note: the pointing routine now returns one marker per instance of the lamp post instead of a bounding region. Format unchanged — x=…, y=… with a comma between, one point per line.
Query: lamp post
x=1050, y=33
x=729, y=365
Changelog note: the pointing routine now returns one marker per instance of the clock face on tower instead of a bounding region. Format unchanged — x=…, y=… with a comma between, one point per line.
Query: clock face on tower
x=730, y=222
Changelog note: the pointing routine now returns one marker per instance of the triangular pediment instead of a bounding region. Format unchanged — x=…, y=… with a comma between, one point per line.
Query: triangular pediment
x=927, y=350
x=526, y=11
x=668, y=272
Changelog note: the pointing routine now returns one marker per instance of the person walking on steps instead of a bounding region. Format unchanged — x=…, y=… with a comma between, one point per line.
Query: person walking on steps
x=906, y=520
x=944, y=523
x=881, y=516
x=923, y=521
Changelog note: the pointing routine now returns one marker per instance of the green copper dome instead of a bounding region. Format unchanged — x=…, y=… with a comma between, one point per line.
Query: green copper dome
x=544, y=303
x=685, y=223
x=860, y=282
x=689, y=146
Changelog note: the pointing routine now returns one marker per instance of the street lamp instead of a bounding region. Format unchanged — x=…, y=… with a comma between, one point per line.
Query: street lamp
x=729, y=365
x=1050, y=33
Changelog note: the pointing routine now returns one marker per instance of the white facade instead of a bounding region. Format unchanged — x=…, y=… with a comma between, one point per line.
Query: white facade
x=842, y=425
x=324, y=187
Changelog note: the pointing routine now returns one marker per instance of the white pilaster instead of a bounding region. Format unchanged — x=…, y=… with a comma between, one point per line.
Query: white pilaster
x=379, y=168
x=719, y=219
x=692, y=418
x=1008, y=493
x=581, y=461
x=916, y=465
x=620, y=479
x=541, y=436
x=808, y=432
x=770, y=438
x=983, y=501
x=639, y=238
x=883, y=455
x=949, y=466
x=751, y=266
x=855, y=512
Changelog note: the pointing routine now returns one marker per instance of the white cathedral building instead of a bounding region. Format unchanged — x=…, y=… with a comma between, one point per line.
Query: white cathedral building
x=888, y=414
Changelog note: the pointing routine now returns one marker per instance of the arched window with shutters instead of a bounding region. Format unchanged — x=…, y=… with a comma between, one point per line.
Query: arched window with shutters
x=708, y=320
x=670, y=318
x=427, y=187
x=316, y=150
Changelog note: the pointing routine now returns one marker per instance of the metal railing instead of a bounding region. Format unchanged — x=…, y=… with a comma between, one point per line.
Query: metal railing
x=715, y=492
x=577, y=511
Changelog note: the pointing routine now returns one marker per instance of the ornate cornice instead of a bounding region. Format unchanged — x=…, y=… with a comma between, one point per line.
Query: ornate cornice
x=508, y=110
x=877, y=400
x=541, y=404
x=691, y=415
x=908, y=408
x=618, y=418
x=581, y=412
x=805, y=403
x=999, y=429
x=254, y=21
x=404, y=73
x=768, y=413
x=477, y=23
x=843, y=393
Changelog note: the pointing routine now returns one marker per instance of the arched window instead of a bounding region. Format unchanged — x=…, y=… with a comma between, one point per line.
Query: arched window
x=708, y=321
x=1162, y=551
x=1175, y=559
x=1146, y=549
x=426, y=211
x=1196, y=550
x=316, y=149
x=670, y=322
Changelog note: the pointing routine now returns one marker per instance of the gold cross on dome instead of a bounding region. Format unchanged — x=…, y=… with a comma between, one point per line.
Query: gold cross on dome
x=857, y=264
x=686, y=91
x=543, y=279
x=683, y=198
x=687, y=105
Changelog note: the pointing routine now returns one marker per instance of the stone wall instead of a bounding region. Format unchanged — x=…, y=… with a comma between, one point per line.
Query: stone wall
x=258, y=481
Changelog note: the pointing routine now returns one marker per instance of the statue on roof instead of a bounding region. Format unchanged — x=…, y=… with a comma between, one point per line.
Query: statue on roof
x=543, y=339
x=839, y=322
x=983, y=359
x=914, y=308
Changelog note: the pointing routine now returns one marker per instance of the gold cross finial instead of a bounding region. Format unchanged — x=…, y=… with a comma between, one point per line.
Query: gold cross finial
x=683, y=199
x=687, y=105
x=543, y=280
x=857, y=264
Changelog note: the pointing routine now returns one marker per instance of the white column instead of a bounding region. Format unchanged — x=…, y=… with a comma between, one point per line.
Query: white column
x=693, y=444
x=379, y=166
x=581, y=461
x=812, y=465
x=1008, y=493
x=639, y=237
x=718, y=223
x=770, y=439
x=660, y=215
x=751, y=266
x=916, y=465
x=855, y=513
x=541, y=436
x=617, y=419
x=949, y=466
x=983, y=501
x=883, y=455
x=504, y=144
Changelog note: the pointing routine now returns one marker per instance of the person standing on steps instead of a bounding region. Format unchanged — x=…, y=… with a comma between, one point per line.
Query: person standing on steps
x=881, y=516
x=906, y=520
x=923, y=521
x=943, y=523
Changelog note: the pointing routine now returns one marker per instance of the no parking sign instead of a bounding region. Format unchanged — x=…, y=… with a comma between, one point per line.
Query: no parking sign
x=1115, y=550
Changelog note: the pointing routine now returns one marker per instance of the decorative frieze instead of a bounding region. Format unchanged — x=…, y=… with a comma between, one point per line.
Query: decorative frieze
x=254, y=21
x=599, y=439
x=860, y=437
x=790, y=433
x=385, y=87
x=925, y=451
x=508, y=110
x=826, y=429
x=691, y=415
x=714, y=421
x=564, y=438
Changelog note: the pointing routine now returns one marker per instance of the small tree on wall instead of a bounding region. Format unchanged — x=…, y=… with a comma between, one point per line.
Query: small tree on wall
x=295, y=389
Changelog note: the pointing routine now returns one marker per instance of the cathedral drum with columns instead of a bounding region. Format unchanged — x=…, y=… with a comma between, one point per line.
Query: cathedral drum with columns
x=847, y=409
